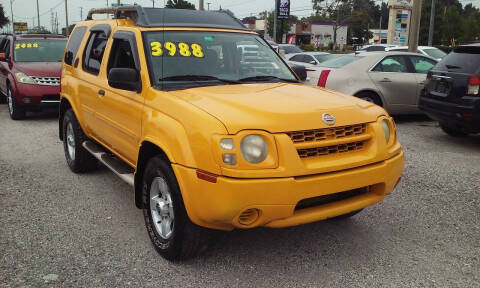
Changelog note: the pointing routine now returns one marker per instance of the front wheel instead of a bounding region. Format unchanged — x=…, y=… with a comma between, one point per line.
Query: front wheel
x=16, y=111
x=370, y=97
x=172, y=233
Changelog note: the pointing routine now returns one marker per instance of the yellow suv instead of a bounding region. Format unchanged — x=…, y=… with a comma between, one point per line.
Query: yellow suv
x=213, y=129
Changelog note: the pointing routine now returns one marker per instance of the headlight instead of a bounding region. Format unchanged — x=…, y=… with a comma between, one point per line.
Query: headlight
x=386, y=129
x=24, y=78
x=254, y=149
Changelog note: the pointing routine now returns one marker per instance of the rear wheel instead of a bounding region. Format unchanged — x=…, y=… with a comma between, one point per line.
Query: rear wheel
x=452, y=131
x=370, y=97
x=16, y=111
x=78, y=158
x=172, y=233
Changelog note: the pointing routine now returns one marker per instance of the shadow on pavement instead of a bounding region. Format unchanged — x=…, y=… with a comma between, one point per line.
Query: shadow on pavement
x=411, y=118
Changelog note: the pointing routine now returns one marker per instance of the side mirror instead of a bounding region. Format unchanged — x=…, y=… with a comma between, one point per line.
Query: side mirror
x=3, y=57
x=313, y=62
x=300, y=71
x=125, y=79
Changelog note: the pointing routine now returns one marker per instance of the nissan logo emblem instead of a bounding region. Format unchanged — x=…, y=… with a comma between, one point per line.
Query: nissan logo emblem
x=328, y=119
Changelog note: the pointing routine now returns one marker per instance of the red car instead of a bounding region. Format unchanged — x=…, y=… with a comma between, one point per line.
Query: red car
x=30, y=68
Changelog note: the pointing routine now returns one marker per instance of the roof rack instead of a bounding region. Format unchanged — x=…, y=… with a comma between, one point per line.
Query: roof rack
x=165, y=17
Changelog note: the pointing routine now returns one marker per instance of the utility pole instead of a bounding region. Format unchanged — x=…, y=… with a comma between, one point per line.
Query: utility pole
x=432, y=23
x=208, y=6
x=52, y=19
x=153, y=3
x=56, y=23
x=81, y=13
x=414, y=26
x=38, y=15
x=275, y=22
x=66, y=19
x=200, y=5
x=118, y=3
x=11, y=11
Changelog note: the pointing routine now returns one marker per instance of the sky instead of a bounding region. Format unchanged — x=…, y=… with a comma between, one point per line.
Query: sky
x=26, y=10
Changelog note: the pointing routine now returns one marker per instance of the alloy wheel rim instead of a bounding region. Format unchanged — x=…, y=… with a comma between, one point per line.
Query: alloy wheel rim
x=10, y=101
x=161, y=207
x=70, y=141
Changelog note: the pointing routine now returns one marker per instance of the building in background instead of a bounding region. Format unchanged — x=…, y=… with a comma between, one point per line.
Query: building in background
x=319, y=34
x=379, y=36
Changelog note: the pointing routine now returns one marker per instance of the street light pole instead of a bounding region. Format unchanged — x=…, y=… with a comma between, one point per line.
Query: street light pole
x=66, y=18
x=432, y=23
x=414, y=26
x=11, y=11
x=38, y=15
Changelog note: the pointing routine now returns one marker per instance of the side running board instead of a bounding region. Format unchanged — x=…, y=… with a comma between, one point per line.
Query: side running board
x=122, y=170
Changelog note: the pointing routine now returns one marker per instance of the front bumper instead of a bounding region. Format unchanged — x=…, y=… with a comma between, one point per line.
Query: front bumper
x=41, y=96
x=465, y=117
x=219, y=205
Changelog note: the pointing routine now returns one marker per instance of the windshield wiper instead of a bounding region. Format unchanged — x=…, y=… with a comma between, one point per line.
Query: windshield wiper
x=196, y=78
x=266, y=78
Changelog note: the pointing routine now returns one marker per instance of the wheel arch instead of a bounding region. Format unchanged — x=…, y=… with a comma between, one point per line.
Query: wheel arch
x=379, y=95
x=148, y=149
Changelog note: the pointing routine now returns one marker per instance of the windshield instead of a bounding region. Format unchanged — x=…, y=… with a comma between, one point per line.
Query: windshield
x=183, y=59
x=340, y=61
x=322, y=58
x=39, y=50
x=435, y=53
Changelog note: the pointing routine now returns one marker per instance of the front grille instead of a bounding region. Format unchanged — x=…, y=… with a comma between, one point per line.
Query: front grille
x=329, y=198
x=46, y=81
x=327, y=141
x=327, y=133
x=333, y=149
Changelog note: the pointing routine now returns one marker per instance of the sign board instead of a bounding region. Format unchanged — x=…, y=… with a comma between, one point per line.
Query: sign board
x=283, y=9
x=401, y=4
x=20, y=26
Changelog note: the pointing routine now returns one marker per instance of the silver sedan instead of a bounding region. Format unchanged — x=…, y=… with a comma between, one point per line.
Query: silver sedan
x=393, y=80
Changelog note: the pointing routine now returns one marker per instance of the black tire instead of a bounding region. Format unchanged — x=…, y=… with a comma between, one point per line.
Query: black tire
x=82, y=161
x=370, y=97
x=16, y=111
x=186, y=239
x=452, y=131
x=348, y=215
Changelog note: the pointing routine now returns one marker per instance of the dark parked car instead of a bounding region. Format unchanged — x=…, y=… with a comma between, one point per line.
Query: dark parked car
x=451, y=94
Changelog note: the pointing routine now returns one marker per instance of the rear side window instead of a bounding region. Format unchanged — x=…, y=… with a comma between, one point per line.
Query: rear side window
x=73, y=44
x=396, y=64
x=297, y=58
x=421, y=64
x=463, y=59
x=93, y=54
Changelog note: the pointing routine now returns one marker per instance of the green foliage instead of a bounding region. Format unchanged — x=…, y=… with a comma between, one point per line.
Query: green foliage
x=3, y=19
x=180, y=4
x=451, y=21
x=307, y=47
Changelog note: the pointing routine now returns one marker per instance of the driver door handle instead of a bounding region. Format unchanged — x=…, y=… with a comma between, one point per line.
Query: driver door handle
x=386, y=80
x=101, y=92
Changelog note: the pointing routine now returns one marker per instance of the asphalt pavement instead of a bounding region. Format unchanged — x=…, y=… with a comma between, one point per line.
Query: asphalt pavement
x=59, y=229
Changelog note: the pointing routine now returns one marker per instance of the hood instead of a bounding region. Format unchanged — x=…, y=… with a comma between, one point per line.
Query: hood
x=277, y=107
x=44, y=69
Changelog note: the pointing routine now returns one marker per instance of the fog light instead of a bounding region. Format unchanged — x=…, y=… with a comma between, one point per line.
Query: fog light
x=230, y=159
x=248, y=217
x=27, y=100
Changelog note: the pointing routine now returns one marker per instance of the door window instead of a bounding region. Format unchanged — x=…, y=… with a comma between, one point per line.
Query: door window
x=421, y=64
x=297, y=58
x=93, y=54
x=392, y=64
x=121, y=55
x=308, y=59
x=74, y=44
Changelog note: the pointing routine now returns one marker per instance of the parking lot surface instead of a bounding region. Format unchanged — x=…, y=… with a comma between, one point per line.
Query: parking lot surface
x=59, y=229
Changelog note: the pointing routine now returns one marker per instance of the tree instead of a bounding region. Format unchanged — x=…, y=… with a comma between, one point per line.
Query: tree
x=3, y=19
x=180, y=4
